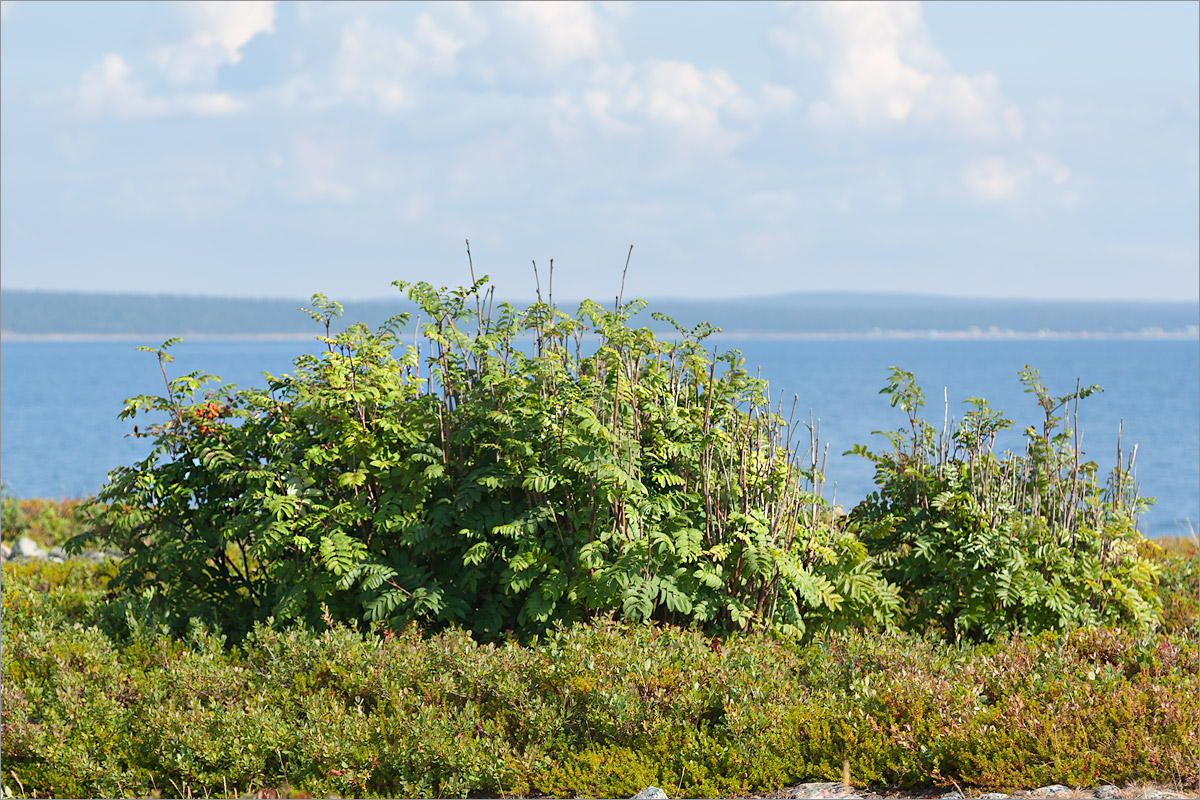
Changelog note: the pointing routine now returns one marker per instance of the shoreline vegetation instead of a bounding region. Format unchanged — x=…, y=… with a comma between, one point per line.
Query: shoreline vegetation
x=472, y=571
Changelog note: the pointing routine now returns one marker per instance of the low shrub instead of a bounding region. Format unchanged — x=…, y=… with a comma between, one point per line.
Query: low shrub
x=1179, y=583
x=600, y=709
x=50, y=523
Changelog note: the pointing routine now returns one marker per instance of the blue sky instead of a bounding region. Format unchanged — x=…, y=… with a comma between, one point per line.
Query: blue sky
x=277, y=149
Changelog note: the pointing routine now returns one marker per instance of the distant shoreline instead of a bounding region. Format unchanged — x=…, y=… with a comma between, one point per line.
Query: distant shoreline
x=876, y=335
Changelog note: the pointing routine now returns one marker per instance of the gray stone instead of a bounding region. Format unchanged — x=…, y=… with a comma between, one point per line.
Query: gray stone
x=651, y=793
x=955, y=795
x=813, y=791
x=1054, y=790
x=1158, y=794
x=1107, y=792
x=59, y=553
x=27, y=548
x=993, y=796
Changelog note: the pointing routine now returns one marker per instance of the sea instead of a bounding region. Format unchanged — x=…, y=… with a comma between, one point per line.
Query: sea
x=60, y=399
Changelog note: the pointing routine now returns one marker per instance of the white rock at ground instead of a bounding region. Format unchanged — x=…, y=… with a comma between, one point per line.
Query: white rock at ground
x=650, y=793
x=811, y=791
x=27, y=548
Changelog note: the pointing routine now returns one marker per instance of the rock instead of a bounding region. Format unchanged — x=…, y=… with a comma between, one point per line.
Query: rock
x=993, y=796
x=1158, y=794
x=812, y=791
x=27, y=548
x=650, y=793
x=955, y=795
x=1107, y=792
x=58, y=552
x=1054, y=790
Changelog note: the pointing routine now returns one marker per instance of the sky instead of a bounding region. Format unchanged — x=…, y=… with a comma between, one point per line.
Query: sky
x=261, y=149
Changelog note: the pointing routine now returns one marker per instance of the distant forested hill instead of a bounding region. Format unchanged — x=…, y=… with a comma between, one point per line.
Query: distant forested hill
x=31, y=313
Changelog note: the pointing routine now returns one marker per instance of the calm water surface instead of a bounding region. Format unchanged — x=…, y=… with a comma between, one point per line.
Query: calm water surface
x=59, y=401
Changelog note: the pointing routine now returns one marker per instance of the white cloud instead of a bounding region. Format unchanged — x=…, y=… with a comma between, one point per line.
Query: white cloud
x=992, y=179
x=1026, y=177
x=1051, y=168
x=442, y=45
x=220, y=31
x=618, y=9
x=373, y=65
x=557, y=34
x=696, y=111
x=883, y=70
x=378, y=68
x=109, y=89
x=190, y=187
x=319, y=171
x=340, y=165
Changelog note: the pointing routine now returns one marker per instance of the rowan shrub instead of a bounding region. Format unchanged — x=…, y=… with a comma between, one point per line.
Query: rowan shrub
x=533, y=468
x=980, y=544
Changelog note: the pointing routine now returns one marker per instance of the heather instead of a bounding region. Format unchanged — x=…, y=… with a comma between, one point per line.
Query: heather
x=99, y=700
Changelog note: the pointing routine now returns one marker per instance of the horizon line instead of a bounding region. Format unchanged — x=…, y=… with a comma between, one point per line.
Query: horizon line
x=846, y=293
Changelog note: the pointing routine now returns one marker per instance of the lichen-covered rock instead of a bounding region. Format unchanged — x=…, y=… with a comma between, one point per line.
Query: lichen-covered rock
x=1054, y=790
x=993, y=796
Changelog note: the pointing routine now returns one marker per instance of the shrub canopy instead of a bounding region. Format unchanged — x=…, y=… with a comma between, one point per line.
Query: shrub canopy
x=532, y=468
x=511, y=470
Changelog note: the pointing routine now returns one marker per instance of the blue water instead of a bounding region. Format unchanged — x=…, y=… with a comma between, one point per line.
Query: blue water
x=59, y=401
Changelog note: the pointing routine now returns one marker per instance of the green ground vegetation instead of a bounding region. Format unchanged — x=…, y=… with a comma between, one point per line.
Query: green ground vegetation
x=101, y=700
x=50, y=523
